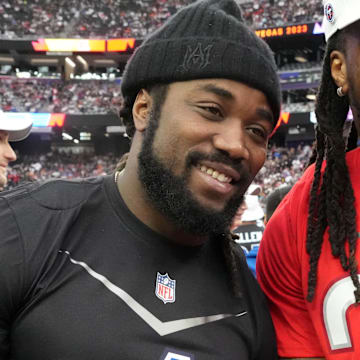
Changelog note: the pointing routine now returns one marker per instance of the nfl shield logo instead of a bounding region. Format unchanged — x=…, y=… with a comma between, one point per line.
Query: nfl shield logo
x=165, y=288
x=329, y=12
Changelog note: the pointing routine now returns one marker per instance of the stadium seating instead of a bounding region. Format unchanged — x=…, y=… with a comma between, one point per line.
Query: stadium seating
x=130, y=18
x=54, y=95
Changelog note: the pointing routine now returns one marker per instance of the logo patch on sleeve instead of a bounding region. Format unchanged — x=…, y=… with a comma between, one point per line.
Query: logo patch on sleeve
x=165, y=288
x=176, y=355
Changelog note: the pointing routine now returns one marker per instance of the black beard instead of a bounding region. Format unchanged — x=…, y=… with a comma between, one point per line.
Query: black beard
x=170, y=195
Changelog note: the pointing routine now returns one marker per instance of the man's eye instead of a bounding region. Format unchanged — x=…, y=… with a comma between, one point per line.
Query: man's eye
x=259, y=132
x=213, y=110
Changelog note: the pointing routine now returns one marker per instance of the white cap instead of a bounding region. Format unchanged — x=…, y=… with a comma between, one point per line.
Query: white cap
x=338, y=14
x=253, y=189
x=254, y=210
x=18, y=129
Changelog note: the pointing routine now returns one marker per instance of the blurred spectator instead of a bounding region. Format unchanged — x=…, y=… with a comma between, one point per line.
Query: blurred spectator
x=274, y=199
x=252, y=225
x=237, y=218
x=130, y=18
x=250, y=229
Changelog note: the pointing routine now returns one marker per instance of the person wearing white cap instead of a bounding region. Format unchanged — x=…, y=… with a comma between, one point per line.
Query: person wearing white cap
x=10, y=130
x=308, y=258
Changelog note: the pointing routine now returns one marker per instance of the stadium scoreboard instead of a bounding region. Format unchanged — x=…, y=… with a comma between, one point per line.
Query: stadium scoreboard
x=127, y=46
x=290, y=30
x=83, y=45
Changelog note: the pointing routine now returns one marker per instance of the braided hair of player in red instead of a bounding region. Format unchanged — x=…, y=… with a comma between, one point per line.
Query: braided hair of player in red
x=332, y=198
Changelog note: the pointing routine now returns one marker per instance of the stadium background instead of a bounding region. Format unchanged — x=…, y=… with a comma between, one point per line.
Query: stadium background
x=62, y=65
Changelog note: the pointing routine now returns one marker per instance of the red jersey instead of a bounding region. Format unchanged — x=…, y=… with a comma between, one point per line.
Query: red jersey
x=329, y=326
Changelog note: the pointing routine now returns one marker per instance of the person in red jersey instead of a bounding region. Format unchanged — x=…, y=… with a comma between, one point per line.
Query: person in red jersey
x=308, y=259
x=10, y=130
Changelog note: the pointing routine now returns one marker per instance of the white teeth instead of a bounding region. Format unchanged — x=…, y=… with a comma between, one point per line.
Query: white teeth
x=215, y=174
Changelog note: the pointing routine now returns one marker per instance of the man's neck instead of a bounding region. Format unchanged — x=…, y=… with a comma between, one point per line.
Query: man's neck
x=136, y=199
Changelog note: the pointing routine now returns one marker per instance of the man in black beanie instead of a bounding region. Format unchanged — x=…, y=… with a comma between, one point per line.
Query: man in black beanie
x=141, y=264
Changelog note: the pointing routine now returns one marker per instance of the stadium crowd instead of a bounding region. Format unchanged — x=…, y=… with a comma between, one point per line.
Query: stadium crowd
x=266, y=13
x=283, y=166
x=52, y=96
x=130, y=18
x=56, y=165
x=76, y=97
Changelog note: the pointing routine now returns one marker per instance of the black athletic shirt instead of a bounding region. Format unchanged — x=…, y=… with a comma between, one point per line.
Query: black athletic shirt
x=82, y=278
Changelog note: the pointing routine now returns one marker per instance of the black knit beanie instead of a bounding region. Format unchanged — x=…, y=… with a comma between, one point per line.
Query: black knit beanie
x=207, y=39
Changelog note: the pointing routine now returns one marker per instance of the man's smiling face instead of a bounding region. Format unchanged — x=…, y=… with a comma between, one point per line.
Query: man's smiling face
x=202, y=149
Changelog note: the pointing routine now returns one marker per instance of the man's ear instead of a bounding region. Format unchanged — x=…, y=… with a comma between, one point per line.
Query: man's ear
x=339, y=70
x=141, y=110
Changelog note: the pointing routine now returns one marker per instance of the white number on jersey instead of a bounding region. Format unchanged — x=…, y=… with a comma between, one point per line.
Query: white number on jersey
x=337, y=301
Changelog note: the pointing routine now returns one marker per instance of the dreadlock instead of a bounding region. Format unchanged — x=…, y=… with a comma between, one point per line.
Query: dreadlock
x=233, y=261
x=232, y=256
x=332, y=198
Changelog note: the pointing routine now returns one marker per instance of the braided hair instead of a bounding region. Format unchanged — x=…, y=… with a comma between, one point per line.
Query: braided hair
x=233, y=257
x=332, y=198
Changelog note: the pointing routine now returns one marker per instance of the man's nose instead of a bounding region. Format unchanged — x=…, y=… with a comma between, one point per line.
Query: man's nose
x=9, y=153
x=233, y=142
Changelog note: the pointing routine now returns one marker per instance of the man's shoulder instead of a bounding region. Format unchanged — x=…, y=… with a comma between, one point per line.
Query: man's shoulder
x=59, y=194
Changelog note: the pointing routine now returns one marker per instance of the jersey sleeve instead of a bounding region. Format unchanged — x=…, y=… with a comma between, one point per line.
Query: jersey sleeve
x=279, y=272
x=11, y=274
